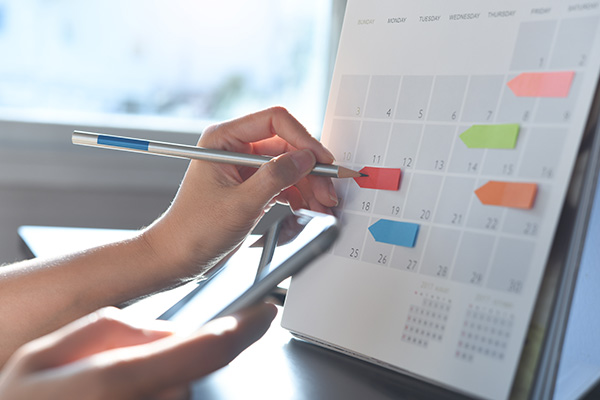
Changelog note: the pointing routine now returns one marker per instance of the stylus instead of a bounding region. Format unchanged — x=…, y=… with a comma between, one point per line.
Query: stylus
x=196, y=153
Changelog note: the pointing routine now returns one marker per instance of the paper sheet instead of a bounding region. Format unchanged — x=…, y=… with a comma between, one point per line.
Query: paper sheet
x=454, y=306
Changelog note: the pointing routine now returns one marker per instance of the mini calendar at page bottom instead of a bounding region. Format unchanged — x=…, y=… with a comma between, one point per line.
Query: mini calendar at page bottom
x=467, y=116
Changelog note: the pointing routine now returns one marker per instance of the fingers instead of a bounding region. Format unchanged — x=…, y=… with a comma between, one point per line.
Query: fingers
x=254, y=128
x=97, y=332
x=273, y=132
x=323, y=192
x=275, y=176
x=218, y=204
x=293, y=198
x=151, y=369
x=175, y=361
x=284, y=171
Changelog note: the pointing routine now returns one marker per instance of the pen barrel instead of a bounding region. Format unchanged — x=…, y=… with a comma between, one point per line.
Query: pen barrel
x=328, y=170
x=185, y=151
x=168, y=149
x=225, y=157
x=211, y=155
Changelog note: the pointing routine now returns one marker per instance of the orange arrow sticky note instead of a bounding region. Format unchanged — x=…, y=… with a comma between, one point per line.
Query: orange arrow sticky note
x=508, y=194
x=380, y=178
x=542, y=84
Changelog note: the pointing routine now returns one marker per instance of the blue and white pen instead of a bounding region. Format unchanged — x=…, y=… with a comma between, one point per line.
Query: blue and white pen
x=195, y=153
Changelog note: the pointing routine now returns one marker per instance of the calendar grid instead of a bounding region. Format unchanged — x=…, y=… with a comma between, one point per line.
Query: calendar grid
x=430, y=112
x=386, y=154
x=483, y=113
x=486, y=274
x=461, y=232
x=418, y=172
x=419, y=257
x=446, y=271
x=362, y=246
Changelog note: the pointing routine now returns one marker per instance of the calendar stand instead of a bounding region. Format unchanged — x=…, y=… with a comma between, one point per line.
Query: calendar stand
x=490, y=112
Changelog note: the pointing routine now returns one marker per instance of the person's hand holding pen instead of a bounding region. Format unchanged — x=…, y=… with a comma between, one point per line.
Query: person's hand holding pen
x=216, y=207
x=219, y=204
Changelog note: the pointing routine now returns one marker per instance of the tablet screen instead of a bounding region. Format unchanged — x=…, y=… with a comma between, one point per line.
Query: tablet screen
x=256, y=268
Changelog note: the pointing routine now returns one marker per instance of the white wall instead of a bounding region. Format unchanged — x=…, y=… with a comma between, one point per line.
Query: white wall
x=46, y=180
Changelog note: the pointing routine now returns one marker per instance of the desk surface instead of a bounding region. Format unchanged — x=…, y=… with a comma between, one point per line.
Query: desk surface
x=276, y=367
x=279, y=366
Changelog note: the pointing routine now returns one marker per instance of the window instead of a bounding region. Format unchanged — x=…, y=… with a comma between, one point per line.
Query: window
x=1, y=18
x=184, y=60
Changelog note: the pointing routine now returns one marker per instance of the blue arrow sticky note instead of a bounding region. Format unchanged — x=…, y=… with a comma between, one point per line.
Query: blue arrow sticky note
x=395, y=232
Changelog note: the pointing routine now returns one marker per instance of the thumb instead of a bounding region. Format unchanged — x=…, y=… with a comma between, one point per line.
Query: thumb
x=278, y=174
x=103, y=330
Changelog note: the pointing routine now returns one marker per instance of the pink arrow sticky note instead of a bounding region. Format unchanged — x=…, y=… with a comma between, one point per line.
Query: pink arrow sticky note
x=542, y=84
x=380, y=178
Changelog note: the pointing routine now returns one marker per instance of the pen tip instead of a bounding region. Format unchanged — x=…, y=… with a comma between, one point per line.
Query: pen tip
x=349, y=173
x=363, y=175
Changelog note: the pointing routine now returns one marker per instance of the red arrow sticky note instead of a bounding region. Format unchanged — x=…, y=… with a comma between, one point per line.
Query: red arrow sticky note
x=508, y=194
x=380, y=178
x=542, y=84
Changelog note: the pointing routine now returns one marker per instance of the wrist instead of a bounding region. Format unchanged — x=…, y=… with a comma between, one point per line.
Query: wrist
x=174, y=254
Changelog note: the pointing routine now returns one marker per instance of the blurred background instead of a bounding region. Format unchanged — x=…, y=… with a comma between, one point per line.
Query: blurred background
x=153, y=69
x=199, y=60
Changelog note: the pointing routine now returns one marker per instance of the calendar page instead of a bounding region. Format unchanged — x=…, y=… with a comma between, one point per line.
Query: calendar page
x=467, y=116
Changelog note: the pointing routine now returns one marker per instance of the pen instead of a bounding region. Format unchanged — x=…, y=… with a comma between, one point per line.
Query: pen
x=195, y=153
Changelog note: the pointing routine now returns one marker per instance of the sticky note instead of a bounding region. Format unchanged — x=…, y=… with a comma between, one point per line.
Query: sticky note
x=542, y=84
x=503, y=136
x=394, y=232
x=508, y=194
x=380, y=178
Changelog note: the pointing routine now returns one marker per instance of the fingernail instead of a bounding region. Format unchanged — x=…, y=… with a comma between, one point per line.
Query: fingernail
x=155, y=335
x=330, y=154
x=332, y=194
x=220, y=326
x=304, y=160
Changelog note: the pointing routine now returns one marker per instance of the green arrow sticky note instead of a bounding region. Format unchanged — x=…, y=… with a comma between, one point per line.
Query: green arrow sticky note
x=503, y=136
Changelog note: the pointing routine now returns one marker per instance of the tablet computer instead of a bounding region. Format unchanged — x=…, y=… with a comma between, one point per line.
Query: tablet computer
x=255, y=270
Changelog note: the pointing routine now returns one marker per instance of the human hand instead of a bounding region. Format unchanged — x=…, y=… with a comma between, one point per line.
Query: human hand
x=218, y=204
x=102, y=356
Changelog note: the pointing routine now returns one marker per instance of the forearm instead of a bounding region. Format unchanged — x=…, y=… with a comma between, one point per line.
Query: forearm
x=38, y=296
x=215, y=208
